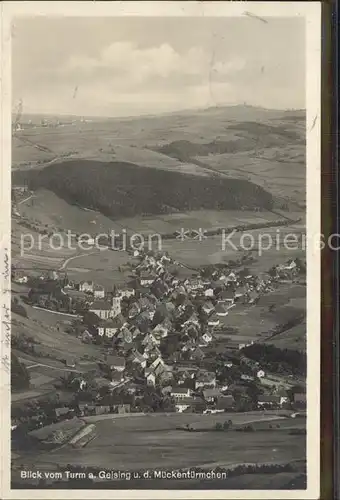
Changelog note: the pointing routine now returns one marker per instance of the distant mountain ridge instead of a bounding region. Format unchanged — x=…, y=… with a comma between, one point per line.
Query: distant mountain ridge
x=182, y=112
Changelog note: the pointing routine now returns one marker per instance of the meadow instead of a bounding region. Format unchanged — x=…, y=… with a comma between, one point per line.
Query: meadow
x=148, y=441
x=46, y=209
x=49, y=213
x=294, y=338
x=268, y=247
x=279, y=177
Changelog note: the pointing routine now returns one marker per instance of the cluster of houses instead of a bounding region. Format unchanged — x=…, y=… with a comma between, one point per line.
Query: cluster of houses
x=159, y=327
x=191, y=308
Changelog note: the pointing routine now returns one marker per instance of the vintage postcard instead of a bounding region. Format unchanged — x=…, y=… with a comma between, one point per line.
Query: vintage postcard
x=160, y=249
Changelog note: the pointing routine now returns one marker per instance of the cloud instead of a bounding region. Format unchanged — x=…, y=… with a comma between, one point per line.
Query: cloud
x=124, y=65
x=229, y=67
x=126, y=61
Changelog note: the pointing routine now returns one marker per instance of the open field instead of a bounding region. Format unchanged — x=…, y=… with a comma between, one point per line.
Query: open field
x=277, y=176
x=58, y=343
x=32, y=250
x=102, y=267
x=216, y=249
x=47, y=209
x=103, y=135
x=141, y=442
x=193, y=220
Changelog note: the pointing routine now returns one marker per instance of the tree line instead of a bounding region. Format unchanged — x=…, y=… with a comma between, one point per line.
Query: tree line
x=277, y=360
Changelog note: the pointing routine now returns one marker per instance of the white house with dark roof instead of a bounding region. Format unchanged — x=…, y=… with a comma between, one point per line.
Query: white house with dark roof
x=208, y=307
x=135, y=331
x=117, y=378
x=101, y=308
x=211, y=395
x=98, y=292
x=183, y=404
x=207, y=337
x=126, y=292
x=181, y=392
x=125, y=334
x=221, y=309
x=151, y=340
x=134, y=310
x=146, y=278
x=86, y=286
x=160, y=331
x=205, y=379
x=268, y=400
x=116, y=363
x=213, y=320
x=193, y=320
x=150, y=378
x=106, y=330
x=110, y=327
x=138, y=358
x=19, y=276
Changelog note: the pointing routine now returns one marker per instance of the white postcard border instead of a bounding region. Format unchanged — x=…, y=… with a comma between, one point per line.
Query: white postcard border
x=311, y=11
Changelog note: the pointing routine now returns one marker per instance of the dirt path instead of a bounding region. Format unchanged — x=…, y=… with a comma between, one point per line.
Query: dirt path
x=61, y=368
x=57, y=312
x=26, y=199
x=70, y=259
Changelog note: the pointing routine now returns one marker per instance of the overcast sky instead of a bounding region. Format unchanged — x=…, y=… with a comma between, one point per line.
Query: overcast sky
x=128, y=66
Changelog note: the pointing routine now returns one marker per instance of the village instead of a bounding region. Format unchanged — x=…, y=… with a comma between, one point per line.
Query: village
x=166, y=342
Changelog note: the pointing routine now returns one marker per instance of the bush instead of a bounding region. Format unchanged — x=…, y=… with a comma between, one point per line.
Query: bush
x=227, y=425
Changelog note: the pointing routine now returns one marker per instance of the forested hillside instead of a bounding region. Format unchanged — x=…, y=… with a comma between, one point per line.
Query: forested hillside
x=124, y=189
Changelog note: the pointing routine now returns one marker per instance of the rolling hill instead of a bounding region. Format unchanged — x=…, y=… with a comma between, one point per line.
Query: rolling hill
x=229, y=157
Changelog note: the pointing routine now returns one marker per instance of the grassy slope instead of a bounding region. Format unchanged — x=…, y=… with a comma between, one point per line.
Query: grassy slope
x=48, y=330
x=294, y=338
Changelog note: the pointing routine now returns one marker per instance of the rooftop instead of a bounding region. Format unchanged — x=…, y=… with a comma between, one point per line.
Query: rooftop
x=180, y=390
x=116, y=361
x=98, y=288
x=100, y=305
x=211, y=393
x=189, y=400
x=269, y=398
x=221, y=309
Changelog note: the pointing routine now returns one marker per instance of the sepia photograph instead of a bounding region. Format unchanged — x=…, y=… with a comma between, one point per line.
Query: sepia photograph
x=162, y=257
